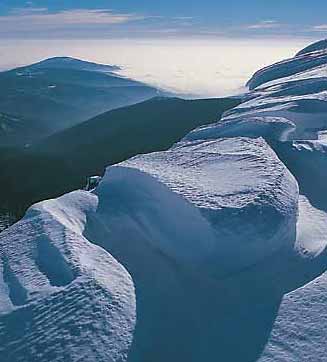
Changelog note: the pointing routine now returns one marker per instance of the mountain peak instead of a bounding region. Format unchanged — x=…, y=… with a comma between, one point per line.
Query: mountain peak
x=66, y=62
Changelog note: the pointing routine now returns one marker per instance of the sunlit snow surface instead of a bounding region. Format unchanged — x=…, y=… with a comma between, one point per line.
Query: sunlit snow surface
x=62, y=297
x=214, y=250
x=288, y=107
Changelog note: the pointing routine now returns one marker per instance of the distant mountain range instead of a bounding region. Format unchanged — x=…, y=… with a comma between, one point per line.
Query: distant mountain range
x=57, y=93
x=62, y=162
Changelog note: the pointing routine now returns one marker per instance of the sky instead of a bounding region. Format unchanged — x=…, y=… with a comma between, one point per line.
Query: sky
x=170, y=18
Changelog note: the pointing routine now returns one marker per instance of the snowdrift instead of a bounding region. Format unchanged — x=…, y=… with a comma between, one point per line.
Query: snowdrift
x=245, y=202
x=213, y=250
x=288, y=108
x=61, y=297
x=308, y=60
x=187, y=217
x=300, y=328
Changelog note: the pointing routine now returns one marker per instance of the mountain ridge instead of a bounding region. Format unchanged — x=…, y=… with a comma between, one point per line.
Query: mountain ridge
x=86, y=149
x=58, y=93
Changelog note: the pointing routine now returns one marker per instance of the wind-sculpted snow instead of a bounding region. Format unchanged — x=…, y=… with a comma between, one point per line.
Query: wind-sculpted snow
x=180, y=222
x=295, y=90
x=305, y=114
x=319, y=45
x=191, y=225
x=268, y=127
x=288, y=108
x=61, y=297
x=237, y=185
x=300, y=329
x=297, y=65
x=288, y=102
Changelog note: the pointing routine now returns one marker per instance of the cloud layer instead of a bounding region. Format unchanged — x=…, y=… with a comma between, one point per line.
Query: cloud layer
x=265, y=24
x=321, y=28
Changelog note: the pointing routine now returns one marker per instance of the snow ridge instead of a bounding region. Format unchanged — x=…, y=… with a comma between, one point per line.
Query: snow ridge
x=62, y=298
x=288, y=107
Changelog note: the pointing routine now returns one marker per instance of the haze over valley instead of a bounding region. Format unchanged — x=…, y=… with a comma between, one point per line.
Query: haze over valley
x=207, y=67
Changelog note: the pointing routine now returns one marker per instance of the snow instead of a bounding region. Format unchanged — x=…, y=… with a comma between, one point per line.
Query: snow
x=181, y=222
x=62, y=296
x=295, y=66
x=215, y=249
x=178, y=221
x=312, y=229
x=288, y=101
x=268, y=127
x=288, y=108
x=322, y=136
x=289, y=117
x=235, y=184
x=300, y=329
x=319, y=45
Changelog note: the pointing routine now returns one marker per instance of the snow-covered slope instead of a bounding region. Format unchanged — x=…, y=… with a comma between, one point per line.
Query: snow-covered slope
x=294, y=90
x=288, y=107
x=178, y=221
x=61, y=297
x=319, y=45
x=246, y=201
x=288, y=102
x=215, y=250
x=299, y=333
x=310, y=59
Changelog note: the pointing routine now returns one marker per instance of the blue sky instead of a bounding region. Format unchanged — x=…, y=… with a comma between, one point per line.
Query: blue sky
x=151, y=18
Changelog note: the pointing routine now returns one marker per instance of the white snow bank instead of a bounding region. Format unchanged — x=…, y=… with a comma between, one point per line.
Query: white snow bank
x=289, y=102
x=61, y=297
x=308, y=162
x=322, y=137
x=301, y=63
x=234, y=201
x=299, y=333
x=178, y=221
x=298, y=120
x=268, y=127
x=289, y=109
x=312, y=229
x=319, y=45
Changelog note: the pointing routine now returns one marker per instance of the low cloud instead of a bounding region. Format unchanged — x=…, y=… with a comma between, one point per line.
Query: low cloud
x=321, y=27
x=183, y=17
x=265, y=24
